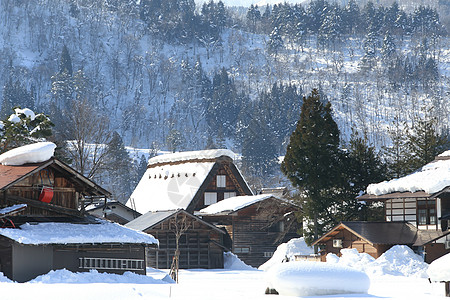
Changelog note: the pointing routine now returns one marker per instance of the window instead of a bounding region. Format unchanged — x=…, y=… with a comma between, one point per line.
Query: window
x=268, y=254
x=426, y=212
x=111, y=263
x=242, y=250
x=210, y=198
x=221, y=181
x=229, y=195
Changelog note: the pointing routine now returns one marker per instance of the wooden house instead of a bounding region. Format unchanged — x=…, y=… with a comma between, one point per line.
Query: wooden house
x=53, y=231
x=256, y=225
x=201, y=243
x=196, y=180
x=113, y=211
x=420, y=200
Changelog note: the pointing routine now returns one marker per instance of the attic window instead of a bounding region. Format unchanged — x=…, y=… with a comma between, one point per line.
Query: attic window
x=210, y=198
x=221, y=181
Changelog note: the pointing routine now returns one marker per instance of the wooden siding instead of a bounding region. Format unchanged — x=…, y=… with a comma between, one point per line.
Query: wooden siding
x=65, y=194
x=257, y=228
x=232, y=185
x=199, y=247
x=350, y=240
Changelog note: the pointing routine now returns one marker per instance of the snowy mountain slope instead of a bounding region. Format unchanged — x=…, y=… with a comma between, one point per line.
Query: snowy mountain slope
x=144, y=85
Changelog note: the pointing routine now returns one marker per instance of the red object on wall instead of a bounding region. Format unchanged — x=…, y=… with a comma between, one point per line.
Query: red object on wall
x=46, y=194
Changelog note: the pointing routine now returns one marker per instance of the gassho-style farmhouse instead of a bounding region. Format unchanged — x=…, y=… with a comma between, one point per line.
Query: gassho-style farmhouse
x=197, y=202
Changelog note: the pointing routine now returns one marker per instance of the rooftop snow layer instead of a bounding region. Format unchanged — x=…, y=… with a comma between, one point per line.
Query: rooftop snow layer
x=233, y=204
x=431, y=178
x=168, y=187
x=10, y=209
x=191, y=155
x=68, y=233
x=33, y=153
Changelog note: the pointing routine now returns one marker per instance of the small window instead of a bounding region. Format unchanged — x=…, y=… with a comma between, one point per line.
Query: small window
x=221, y=181
x=268, y=254
x=242, y=250
x=229, y=195
x=210, y=198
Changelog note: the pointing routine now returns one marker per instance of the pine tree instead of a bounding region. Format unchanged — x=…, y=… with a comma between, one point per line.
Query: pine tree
x=23, y=127
x=275, y=43
x=65, y=62
x=424, y=140
x=119, y=168
x=397, y=152
x=312, y=162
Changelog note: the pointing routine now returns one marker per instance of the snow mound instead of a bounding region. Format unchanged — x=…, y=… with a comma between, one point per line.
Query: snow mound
x=288, y=250
x=439, y=270
x=93, y=276
x=400, y=260
x=305, y=278
x=232, y=262
x=33, y=153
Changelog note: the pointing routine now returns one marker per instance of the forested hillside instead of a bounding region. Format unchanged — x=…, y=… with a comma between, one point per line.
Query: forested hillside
x=175, y=76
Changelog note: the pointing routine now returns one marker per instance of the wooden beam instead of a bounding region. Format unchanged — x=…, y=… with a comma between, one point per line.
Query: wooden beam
x=45, y=206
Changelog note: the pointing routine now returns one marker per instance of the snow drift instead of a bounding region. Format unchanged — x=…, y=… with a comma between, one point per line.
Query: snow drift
x=315, y=278
x=288, y=250
x=232, y=262
x=93, y=276
x=439, y=270
x=400, y=260
x=33, y=153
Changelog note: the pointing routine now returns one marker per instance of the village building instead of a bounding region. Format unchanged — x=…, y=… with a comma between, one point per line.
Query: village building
x=197, y=180
x=201, y=244
x=114, y=211
x=256, y=224
x=44, y=225
x=417, y=211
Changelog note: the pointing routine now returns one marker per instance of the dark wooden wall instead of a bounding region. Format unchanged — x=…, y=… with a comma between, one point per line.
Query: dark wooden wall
x=199, y=247
x=64, y=195
x=257, y=228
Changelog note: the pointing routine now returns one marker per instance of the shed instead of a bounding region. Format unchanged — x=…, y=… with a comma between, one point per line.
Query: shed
x=201, y=245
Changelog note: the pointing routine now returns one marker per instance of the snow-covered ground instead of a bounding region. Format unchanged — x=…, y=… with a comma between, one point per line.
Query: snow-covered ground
x=237, y=281
x=198, y=284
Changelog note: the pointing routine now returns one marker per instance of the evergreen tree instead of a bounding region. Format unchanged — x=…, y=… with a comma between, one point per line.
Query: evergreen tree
x=363, y=166
x=259, y=151
x=65, y=62
x=424, y=140
x=275, y=43
x=312, y=163
x=119, y=169
x=388, y=48
x=15, y=94
x=397, y=153
x=23, y=127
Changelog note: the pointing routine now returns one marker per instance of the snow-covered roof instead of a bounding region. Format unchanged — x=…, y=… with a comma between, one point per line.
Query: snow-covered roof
x=10, y=209
x=191, y=155
x=431, y=178
x=233, y=204
x=68, y=233
x=439, y=270
x=33, y=153
x=168, y=187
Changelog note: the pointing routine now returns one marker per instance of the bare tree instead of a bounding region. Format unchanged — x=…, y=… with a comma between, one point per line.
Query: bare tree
x=87, y=135
x=179, y=225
